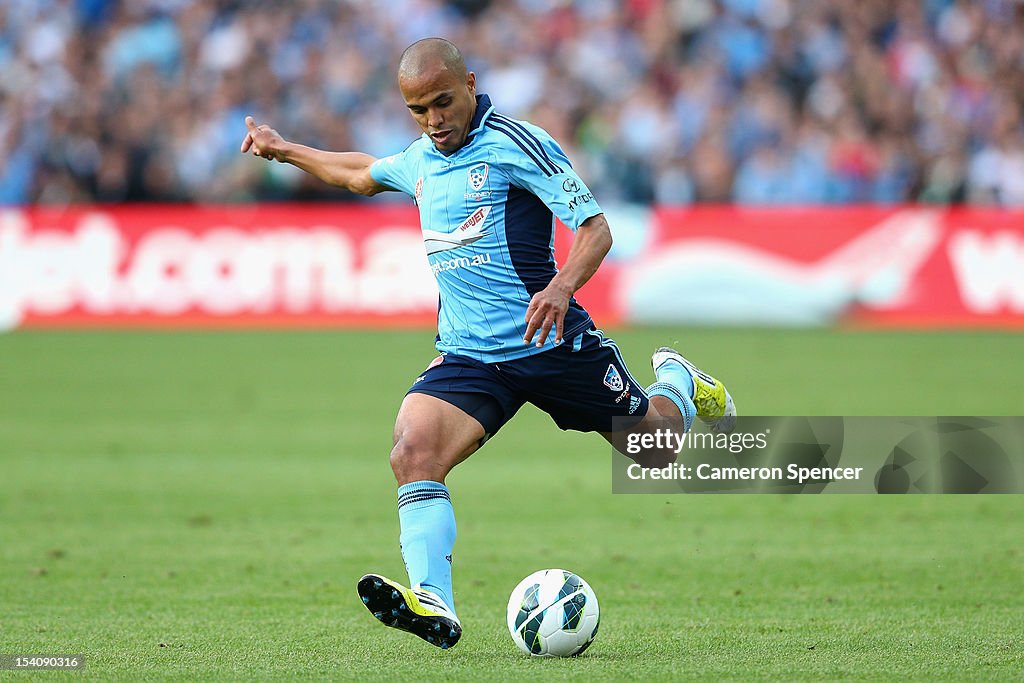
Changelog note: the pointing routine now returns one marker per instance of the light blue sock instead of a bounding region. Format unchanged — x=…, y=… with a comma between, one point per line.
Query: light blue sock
x=673, y=372
x=673, y=393
x=428, y=536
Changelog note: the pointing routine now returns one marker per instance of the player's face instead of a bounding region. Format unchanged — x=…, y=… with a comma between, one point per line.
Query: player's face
x=442, y=105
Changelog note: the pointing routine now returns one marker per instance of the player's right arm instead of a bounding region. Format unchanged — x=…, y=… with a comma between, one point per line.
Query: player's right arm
x=348, y=170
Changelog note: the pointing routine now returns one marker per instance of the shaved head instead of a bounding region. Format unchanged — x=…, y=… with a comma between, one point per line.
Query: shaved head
x=428, y=54
x=439, y=91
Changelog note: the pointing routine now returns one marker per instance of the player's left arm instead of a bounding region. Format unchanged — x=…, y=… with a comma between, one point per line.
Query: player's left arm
x=548, y=307
x=539, y=164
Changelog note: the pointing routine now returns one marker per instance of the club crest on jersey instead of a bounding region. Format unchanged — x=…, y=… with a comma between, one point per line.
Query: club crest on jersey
x=612, y=379
x=478, y=177
x=419, y=189
x=477, y=182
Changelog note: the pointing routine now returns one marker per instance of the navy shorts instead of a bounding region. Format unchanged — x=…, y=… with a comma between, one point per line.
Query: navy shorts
x=583, y=384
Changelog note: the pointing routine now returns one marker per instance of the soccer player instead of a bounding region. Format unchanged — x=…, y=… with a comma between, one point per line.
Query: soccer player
x=509, y=330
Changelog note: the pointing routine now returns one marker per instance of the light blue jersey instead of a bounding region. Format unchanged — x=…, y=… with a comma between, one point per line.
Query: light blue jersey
x=487, y=213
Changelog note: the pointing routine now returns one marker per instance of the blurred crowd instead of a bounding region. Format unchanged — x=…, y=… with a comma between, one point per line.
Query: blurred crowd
x=675, y=101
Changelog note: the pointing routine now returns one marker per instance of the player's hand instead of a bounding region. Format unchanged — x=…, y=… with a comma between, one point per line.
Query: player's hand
x=263, y=141
x=547, y=309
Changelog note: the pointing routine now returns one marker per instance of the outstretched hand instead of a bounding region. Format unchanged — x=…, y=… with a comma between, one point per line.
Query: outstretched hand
x=263, y=141
x=547, y=309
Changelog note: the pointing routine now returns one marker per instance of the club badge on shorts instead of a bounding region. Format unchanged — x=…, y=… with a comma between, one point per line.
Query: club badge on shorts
x=612, y=379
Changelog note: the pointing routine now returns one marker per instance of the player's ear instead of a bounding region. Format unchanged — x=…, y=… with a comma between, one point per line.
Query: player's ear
x=471, y=82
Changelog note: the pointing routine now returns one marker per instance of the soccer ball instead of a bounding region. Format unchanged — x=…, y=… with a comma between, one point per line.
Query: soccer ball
x=553, y=613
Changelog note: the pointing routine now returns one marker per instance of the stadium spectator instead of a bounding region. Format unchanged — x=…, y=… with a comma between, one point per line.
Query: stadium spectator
x=755, y=101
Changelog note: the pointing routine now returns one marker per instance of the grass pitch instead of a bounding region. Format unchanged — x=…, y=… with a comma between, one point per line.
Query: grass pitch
x=187, y=505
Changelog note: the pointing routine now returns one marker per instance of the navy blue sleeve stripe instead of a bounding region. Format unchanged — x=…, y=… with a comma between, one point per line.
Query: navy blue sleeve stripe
x=537, y=144
x=530, y=137
x=521, y=144
x=526, y=149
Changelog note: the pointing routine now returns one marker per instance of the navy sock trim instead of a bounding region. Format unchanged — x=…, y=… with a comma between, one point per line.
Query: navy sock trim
x=426, y=495
x=421, y=491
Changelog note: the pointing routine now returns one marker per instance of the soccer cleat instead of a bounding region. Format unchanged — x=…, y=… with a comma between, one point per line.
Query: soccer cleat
x=417, y=611
x=711, y=398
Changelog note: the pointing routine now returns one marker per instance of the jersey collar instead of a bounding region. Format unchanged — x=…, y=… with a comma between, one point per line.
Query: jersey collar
x=483, y=110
